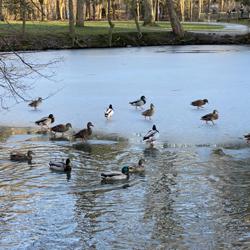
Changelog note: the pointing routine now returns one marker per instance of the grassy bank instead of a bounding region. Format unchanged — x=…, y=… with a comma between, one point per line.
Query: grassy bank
x=94, y=27
x=55, y=35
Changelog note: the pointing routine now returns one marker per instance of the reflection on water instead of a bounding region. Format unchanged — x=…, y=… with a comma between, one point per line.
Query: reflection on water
x=188, y=198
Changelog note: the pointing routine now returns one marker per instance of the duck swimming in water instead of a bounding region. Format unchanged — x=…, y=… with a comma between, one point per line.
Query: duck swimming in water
x=17, y=156
x=210, y=117
x=109, y=112
x=60, y=166
x=115, y=175
x=139, y=168
x=139, y=103
x=84, y=133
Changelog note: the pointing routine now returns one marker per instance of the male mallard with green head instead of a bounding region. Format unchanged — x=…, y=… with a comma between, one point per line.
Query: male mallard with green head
x=151, y=135
x=115, y=175
x=45, y=121
x=109, y=112
x=149, y=112
x=139, y=103
x=247, y=137
x=60, y=166
x=17, y=156
x=199, y=103
x=139, y=168
x=35, y=103
x=84, y=133
x=61, y=128
x=210, y=117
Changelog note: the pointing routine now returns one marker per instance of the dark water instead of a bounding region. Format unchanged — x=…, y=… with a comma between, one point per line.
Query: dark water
x=189, y=197
x=192, y=195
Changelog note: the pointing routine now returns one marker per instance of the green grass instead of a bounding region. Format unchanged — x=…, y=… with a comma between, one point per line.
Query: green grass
x=94, y=27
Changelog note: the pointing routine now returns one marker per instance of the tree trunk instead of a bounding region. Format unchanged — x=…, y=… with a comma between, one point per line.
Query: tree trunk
x=58, y=12
x=1, y=11
x=191, y=10
x=149, y=18
x=79, y=13
x=182, y=7
x=113, y=9
x=71, y=19
x=136, y=7
x=199, y=9
x=42, y=9
x=111, y=25
x=23, y=14
x=174, y=20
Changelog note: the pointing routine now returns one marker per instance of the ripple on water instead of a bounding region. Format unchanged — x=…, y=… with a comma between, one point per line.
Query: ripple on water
x=188, y=197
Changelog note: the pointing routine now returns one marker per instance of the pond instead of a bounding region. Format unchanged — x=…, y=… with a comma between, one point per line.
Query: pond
x=194, y=193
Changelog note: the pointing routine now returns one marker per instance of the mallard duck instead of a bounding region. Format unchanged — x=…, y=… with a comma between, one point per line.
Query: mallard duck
x=60, y=166
x=17, y=156
x=247, y=137
x=45, y=121
x=199, y=103
x=137, y=168
x=149, y=112
x=210, y=117
x=151, y=135
x=84, y=133
x=61, y=128
x=35, y=103
x=109, y=112
x=115, y=175
x=139, y=103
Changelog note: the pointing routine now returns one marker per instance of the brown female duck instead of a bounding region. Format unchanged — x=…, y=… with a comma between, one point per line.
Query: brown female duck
x=84, y=133
x=17, y=156
x=139, y=168
x=61, y=128
x=210, y=117
x=149, y=112
x=199, y=103
x=35, y=103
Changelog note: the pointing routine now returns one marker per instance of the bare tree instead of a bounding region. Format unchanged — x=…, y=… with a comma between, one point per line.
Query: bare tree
x=136, y=16
x=79, y=13
x=71, y=19
x=15, y=70
x=149, y=17
x=1, y=10
x=174, y=20
x=111, y=25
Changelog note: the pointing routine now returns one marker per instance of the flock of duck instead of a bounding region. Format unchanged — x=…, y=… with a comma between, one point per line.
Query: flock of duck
x=85, y=133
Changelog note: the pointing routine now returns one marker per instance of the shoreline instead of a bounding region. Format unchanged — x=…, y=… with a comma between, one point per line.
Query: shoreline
x=119, y=40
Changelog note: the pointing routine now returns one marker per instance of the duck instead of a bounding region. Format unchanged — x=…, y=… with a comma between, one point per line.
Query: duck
x=247, y=137
x=84, y=133
x=138, y=103
x=17, y=156
x=45, y=121
x=61, y=128
x=151, y=135
x=116, y=175
x=199, y=103
x=149, y=112
x=109, y=112
x=139, y=168
x=35, y=103
x=210, y=117
x=61, y=166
